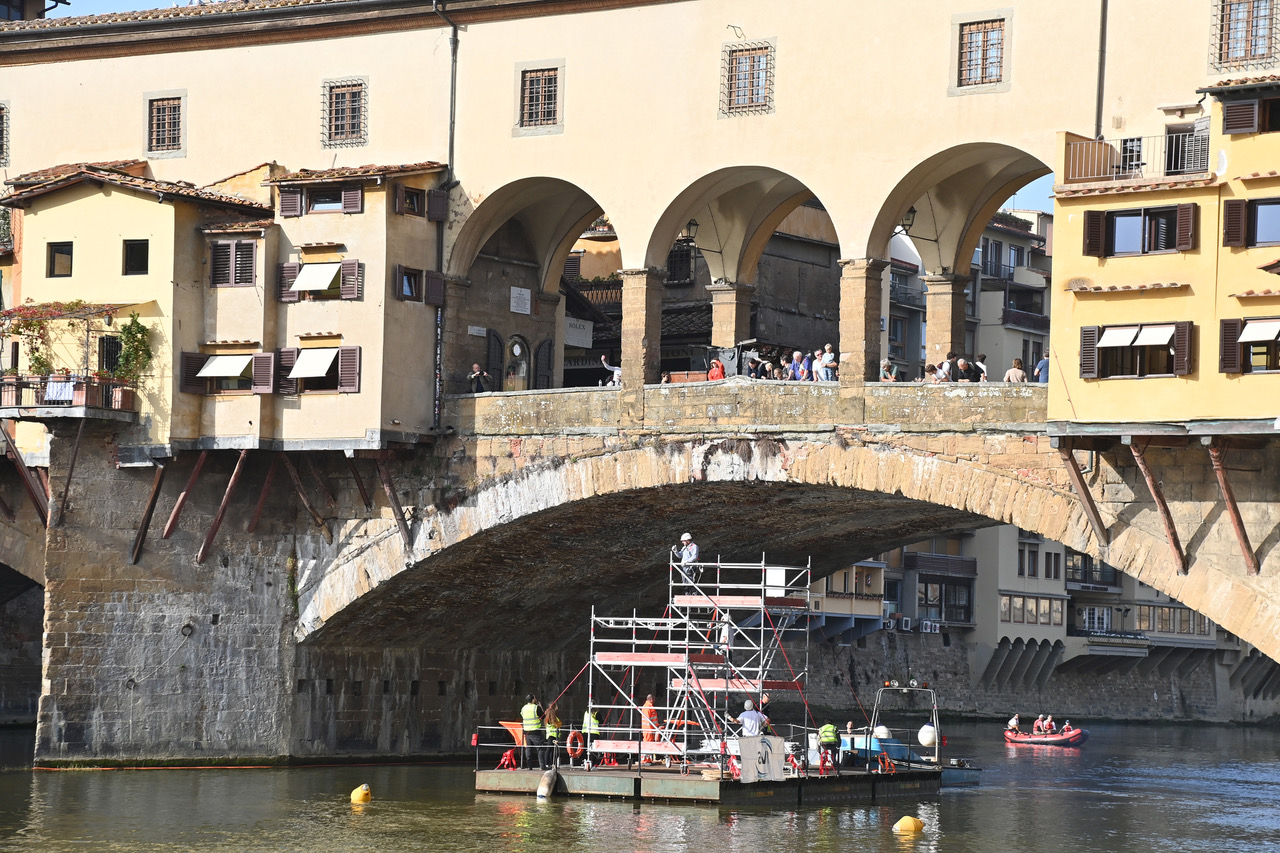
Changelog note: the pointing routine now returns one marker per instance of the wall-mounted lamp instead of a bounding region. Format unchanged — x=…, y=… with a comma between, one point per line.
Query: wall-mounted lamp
x=908, y=219
x=690, y=233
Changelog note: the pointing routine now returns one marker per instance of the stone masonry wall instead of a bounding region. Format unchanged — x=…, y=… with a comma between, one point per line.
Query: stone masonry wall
x=21, y=623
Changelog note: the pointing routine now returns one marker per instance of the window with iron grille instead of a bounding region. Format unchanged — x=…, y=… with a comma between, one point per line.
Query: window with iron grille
x=1244, y=33
x=164, y=124
x=747, y=79
x=4, y=134
x=346, y=113
x=108, y=353
x=981, y=52
x=540, y=97
x=680, y=264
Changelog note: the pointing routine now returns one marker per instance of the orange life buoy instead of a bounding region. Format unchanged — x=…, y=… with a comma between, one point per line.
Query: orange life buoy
x=576, y=745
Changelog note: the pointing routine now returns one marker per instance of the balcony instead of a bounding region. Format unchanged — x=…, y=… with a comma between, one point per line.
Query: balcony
x=1137, y=157
x=940, y=564
x=40, y=398
x=1004, y=272
x=1025, y=320
x=905, y=295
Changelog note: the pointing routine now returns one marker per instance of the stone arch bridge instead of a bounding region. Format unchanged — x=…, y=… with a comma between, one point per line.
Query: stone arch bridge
x=477, y=566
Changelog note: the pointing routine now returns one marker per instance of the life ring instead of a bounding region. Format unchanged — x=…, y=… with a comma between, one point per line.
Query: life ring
x=576, y=745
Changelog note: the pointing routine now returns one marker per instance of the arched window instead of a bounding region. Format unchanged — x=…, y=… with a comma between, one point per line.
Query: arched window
x=517, y=373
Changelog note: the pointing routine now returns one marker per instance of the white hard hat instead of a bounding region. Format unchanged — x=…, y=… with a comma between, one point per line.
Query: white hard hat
x=688, y=537
x=747, y=705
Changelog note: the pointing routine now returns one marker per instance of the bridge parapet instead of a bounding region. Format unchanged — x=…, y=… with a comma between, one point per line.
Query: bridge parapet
x=753, y=406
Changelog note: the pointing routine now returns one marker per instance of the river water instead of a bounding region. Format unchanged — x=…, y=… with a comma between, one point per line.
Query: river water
x=1131, y=788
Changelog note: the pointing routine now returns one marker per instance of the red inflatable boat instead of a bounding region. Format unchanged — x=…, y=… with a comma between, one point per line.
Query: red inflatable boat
x=1075, y=737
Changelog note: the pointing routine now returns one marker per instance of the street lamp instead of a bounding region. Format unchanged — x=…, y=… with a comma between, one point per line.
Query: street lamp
x=908, y=219
x=691, y=231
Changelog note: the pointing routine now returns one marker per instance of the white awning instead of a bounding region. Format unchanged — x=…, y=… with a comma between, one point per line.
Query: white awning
x=222, y=366
x=1260, y=330
x=313, y=362
x=1154, y=336
x=317, y=277
x=1117, y=336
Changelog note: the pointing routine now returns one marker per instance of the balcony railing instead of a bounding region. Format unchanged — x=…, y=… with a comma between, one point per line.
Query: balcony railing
x=1025, y=320
x=940, y=564
x=58, y=391
x=1004, y=272
x=904, y=295
x=1137, y=157
x=1097, y=575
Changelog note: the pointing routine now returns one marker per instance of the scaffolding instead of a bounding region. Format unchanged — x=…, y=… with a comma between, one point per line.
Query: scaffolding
x=723, y=639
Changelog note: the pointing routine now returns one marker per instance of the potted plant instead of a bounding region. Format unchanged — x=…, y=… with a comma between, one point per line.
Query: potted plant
x=135, y=358
x=9, y=387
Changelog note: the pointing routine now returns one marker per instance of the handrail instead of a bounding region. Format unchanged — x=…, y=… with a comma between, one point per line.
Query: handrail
x=66, y=390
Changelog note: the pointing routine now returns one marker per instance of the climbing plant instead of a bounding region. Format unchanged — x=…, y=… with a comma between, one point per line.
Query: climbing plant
x=135, y=350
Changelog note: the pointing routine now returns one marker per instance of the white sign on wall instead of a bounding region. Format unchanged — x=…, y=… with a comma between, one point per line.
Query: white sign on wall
x=477, y=331
x=521, y=300
x=577, y=333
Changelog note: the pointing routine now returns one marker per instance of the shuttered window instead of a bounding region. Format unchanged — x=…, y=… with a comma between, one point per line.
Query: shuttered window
x=189, y=367
x=1089, y=352
x=1229, y=345
x=350, y=279
x=1141, y=231
x=264, y=373
x=233, y=263
x=433, y=289
x=286, y=275
x=1251, y=222
x=407, y=284
x=1095, y=231
x=285, y=360
x=410, y=200
x=4, y=135
x=348, y=370
x=1149, y=349
x=1240, y=117
x=1234, y=212
x=1249, y=345
x=437, y=205
x=290, y=201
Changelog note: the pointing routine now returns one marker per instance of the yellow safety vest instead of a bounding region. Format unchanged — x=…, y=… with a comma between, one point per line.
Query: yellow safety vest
x=827, y=734
x=553, y=729
x=529, y=714
x=590, y=724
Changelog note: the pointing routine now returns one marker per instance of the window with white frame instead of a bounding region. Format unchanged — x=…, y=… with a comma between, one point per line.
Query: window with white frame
x=1244, y=33
x=345, y=120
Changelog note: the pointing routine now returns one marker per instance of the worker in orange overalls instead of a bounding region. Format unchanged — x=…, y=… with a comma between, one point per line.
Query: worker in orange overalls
x=649, y=721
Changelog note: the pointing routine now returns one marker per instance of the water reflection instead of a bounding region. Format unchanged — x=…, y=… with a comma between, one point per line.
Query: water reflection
x=1130, y=788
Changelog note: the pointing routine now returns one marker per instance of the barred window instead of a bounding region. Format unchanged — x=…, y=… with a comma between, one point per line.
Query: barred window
x=164, y=124
x=346, y=113
x=4, y=134
x=539, y=102
x=1244, y=32
x=748, y=79
x=981, y=52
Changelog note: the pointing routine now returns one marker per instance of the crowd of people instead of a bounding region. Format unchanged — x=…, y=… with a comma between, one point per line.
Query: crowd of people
x=822, y=365
x=957, y=368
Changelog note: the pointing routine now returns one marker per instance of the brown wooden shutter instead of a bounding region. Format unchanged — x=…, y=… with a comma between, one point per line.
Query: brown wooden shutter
x=1182, y=334
x=433, y=289
x=1240, y=117
x=437, y=205
x=285, y=360
x=264, y=373
x=495, y=358
x=1186, y=228
x=285, y=277
x=398, y=198
x=544, y=365
x=290, y=201
x=350, y=284
x=1095, y=233
x=1229, y=360
x=353, y=199
x=1089, y=352
x=246, y=253
x=220, y=263
x=573, y=266
x=397, y=282
x=1235, y=212
x=348, y=370
x=188, y=368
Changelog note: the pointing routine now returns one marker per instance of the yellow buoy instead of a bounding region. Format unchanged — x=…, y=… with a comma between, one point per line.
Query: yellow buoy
x=909, y=824
x=362, y=794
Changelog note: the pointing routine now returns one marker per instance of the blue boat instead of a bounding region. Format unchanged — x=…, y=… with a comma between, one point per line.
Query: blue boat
x=884, y=750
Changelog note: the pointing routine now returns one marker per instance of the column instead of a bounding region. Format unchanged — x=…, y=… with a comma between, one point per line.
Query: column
x=641, y=327
x=730, y=312
x=944, y=316
x=861, y=307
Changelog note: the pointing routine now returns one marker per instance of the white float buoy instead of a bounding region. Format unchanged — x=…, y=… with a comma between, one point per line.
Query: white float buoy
x=882, y=733
x=548, y=784
x=928, y=735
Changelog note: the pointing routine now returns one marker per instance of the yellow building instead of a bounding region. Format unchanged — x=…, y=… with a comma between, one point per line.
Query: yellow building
x=1166, y=316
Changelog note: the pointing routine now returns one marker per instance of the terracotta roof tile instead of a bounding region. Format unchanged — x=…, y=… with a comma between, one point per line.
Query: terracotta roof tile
x=1078, y=286
x=41, y=175
x=170, y=13
x=1246, y=81
x=237, y=225
x=1250, y=294
x=1256, y=176
x=1110, y=188
x=122, y=179
x=367, y=171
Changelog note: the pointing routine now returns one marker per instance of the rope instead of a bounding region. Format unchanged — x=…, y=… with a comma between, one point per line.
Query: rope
x=790, y=669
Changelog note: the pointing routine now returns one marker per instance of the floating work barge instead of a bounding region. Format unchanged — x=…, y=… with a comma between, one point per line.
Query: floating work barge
x=731, y=633
x=660, y=785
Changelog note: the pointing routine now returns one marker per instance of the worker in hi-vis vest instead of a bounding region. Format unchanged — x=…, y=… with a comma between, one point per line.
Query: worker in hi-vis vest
x=534, y=742
x=829, y=740
x=590, y=727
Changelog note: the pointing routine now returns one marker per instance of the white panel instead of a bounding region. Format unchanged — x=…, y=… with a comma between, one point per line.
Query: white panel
x=1256, y=331
x=221, y=366
x=1154, y=336
x=317, y=277
x=313, y=362
x=1117, y=336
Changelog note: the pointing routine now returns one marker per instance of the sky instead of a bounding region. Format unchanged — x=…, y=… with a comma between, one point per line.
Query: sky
x=1034, y=196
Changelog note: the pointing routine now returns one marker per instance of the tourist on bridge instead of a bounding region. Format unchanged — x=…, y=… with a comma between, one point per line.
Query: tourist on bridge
x=751, y=720
x=981, y=363
x=829, y=362
x=479, y=382
x=1042, y=369
x=615, y=373
x=1015, y=373
x=967, y=372
x=716, y=371
x=535, y=748
x=888, y=371
x=801, y=367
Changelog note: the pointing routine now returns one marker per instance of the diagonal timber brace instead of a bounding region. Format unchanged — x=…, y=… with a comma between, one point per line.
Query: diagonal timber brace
x=135, y=553
x=306, y=501
x=1157, y=495
x=39, y=497
x=1083, y=494
x=389, y=487
x=222, y=509
x=1218, y=455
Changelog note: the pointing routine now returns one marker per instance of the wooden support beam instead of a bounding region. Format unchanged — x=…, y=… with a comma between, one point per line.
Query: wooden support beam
x=75, y=451
x=306, y=501
x=135, y=553
x=387, y=486
x=262, y=498
x=355, y=475
x=1083, y=494
x=183, y=495
x=309, y=458
x=39, y=497
x=222, y=509
x=1156, y=440
x=1170, y=531
x=1218, y=455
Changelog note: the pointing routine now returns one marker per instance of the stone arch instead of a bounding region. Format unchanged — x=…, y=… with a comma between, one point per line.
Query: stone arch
x=954, y=192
